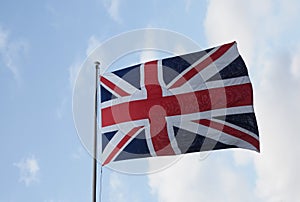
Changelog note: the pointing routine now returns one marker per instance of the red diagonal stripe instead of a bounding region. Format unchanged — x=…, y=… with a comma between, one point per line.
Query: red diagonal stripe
x=230, y=131
x=113, y=87
x=192, y=72
x=123, y=141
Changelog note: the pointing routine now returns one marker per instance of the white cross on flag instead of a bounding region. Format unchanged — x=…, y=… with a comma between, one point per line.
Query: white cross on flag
x=190, y=103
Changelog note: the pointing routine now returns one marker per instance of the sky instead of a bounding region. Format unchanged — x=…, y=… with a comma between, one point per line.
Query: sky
x=42, y=46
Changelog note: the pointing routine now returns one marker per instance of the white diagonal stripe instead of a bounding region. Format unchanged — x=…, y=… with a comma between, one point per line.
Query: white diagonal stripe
x=121, y=83
x=192, y=66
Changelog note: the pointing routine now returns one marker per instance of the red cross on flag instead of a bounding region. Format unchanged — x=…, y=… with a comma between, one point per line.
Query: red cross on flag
x=196, y=102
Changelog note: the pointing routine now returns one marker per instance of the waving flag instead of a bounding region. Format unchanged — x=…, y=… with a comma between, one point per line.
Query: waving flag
x=190, y=103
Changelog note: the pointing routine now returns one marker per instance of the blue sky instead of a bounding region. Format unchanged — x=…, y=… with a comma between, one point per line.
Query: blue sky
x=43, y=44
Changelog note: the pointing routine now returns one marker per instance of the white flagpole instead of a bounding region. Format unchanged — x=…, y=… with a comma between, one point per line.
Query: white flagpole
x=94, y=188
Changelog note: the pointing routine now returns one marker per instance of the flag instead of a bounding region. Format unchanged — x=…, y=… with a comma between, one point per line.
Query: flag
x=195, y=102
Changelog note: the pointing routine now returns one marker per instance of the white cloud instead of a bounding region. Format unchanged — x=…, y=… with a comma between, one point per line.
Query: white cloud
x=296, y=63
x=266, y=34
x=73, y=73
x=193, y=180
x=120, y=186
x=277, y=108
x=149, y=40
x=75, y=68
x=93, y=43
x=61, y=108
x=113, y=8
x=243, y=157
x=3, y=38
x=85, y=81
x=11, y=51
x=29, y=170
x=116, y=191
x=168, y=47
x=228, y=21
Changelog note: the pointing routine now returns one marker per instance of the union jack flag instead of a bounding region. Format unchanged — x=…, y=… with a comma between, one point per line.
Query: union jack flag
x=195, y=102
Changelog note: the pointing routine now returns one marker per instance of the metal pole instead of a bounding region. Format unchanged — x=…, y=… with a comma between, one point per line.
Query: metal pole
x=94, y=188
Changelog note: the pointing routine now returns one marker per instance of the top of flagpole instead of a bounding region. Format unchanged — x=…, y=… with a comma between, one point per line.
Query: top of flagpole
x=97, y=63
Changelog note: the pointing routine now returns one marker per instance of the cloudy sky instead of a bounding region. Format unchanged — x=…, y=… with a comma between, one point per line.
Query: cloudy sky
x=42, y=45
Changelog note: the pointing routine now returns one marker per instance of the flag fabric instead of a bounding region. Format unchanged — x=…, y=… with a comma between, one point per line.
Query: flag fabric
x=196, y=102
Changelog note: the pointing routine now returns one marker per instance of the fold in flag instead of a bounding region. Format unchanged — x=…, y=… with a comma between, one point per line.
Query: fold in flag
x=190, y=103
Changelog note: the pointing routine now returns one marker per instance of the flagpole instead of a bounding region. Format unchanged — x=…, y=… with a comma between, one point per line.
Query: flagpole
x=94, y=188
